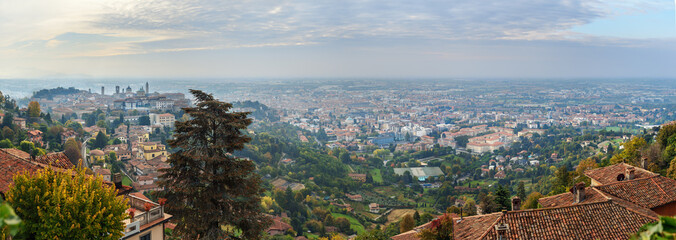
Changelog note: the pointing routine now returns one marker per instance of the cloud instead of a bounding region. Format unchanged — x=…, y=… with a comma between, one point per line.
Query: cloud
x=206, y=23
x=37, y=33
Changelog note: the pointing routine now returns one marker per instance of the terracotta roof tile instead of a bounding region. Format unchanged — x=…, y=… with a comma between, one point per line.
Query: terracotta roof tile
x=410, y=235
x=279, y=225
x=647, y=192
x=11, y=165
x=470, y=228
x=607, y=175
x=566, y=199
x=58, y=159
x=600, y=220
x=16, y=153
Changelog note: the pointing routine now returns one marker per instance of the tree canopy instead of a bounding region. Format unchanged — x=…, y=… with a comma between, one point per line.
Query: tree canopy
x=66, y=205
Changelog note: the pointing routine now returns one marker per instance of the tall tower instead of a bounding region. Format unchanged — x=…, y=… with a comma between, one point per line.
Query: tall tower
x=103, y=92
x=117, y=89
x=147, y=89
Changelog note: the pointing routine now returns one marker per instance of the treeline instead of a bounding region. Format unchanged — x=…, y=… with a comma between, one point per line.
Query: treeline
x=50, y=93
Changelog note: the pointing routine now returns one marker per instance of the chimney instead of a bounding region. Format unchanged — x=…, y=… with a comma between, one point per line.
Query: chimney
x=643, y=161
x=502, y=230
x=516, y=203
x=117, y=178
x=629, y=172
x=578, y=192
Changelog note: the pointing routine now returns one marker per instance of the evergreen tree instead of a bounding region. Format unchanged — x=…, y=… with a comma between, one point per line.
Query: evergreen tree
x=502, y=197
x=521, y=191
x=48, y=118
x=207, y=187
x=8, y=120
x=72, y=150
x=101, y=140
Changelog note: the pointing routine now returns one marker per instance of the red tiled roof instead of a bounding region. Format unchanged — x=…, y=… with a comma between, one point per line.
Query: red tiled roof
x=410, y=235
x=11, y=165
x=141, y=196
x=565, y=199
x=470, y=228
x=16, y=153
x=58, y=159
x=609, y=174
x=278, y=224
x=601, y=220
x=647, y=192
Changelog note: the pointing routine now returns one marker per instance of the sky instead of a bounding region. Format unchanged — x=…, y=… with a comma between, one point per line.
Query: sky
x=47, y=39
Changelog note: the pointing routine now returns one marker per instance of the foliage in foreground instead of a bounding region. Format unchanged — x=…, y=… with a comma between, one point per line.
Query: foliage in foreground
x=66, y=205
x=440, y=229
x=664, y=229
x=10, y=223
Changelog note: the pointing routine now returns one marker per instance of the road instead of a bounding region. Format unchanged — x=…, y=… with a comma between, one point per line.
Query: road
x=84, y=152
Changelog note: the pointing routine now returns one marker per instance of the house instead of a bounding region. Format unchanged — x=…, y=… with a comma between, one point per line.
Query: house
x=35, y=136
x=65, y=135
x=357, y=176
x=621, y=199
x=374, y=208
x=621, y=182
x=500, y=175
x=356, y=198
x=97, y=155
x=149, y=220
x=165, y=119
x=21, y=122
x=104, y=173
x=151, y=150
x=278, y=227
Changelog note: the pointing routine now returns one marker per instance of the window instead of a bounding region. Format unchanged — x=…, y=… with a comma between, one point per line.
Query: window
x=145, y=237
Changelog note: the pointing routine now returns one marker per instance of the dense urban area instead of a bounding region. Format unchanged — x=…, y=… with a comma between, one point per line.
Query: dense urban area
x=377, y=159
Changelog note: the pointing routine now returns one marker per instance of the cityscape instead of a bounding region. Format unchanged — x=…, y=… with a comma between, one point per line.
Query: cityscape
x=337, y=120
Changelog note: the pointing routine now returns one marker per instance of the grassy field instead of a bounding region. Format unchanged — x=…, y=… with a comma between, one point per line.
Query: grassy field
x=354, y=224
x=311, y=236
x=126, y=180
x=624, y=130
x=397, y=214
x=377, y=177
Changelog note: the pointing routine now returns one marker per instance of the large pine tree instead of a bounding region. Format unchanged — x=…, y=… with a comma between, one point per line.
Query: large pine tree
x=213, y=194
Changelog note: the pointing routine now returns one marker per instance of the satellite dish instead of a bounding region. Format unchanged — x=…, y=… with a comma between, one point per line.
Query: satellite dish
x=620, y=177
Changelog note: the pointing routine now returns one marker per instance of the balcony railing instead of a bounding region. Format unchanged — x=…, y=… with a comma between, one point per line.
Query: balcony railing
x=141, y=217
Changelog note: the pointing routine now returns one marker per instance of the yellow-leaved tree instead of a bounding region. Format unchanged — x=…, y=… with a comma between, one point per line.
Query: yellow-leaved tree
x=631, y=153
x=34, y=109
x=66, y=205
